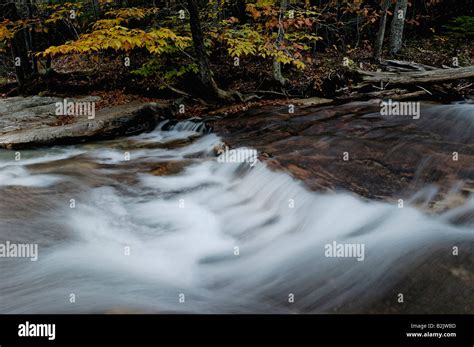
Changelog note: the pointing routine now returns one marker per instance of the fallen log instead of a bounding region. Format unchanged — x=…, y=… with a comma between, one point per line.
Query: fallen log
x=416, y=77
x=394, y=94
x=400, y=65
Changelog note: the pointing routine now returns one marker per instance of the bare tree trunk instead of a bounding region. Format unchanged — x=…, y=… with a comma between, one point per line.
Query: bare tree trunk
x=31, y=8
x=381, y=33
x=96, y=8
x=239, y=11
x=277, y=74
x=398, y=22
x=212, y=90
x=19, y=49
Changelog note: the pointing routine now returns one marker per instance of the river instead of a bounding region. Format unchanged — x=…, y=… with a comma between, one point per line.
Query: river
x=155, y=223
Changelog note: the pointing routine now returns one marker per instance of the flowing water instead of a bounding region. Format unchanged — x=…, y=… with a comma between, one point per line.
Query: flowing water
x=175, y=230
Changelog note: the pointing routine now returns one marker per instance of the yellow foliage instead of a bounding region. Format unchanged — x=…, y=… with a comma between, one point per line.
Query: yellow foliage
x=249, y=41
x=242, y=42
x=107, y=23
x=6, y=32
x=119, y=38
x=8, y=28
x=132, y=12
x=61, y=12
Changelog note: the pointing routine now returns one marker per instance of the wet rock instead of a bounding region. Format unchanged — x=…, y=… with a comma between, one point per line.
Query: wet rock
x=169, y=168
x=32, y=121
x=353, y=148
x=388, y=159
x=442, y=284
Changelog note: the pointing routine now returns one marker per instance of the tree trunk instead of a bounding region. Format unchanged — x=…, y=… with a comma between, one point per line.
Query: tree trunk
x=398, y=22
x=277, y=74
x=212, y=91
x=239, y=11
x=31, y=8
x=381, y=33
x=19, y=50
x=96, y=8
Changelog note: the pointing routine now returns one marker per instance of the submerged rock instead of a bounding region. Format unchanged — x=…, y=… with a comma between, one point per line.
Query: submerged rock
x=32, y=121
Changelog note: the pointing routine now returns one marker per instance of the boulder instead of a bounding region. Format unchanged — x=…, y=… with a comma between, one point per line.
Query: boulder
x=354, y=148
x=27, y=122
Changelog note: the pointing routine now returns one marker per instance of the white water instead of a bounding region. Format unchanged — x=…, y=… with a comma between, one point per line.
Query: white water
x=182, y=230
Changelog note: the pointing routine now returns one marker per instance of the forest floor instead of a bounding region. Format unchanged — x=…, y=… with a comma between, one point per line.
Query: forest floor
x=325, y=77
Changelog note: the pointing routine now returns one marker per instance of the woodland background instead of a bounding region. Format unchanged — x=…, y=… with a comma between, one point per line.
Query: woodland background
x=224, y=50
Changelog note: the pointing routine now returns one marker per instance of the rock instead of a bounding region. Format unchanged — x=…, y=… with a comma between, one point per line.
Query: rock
x=388, y=157
x=31, y=122
x=441, y=284
x=169, y=168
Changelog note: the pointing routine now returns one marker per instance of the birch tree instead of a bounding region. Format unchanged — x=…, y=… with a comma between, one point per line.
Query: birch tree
x=398, y=23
